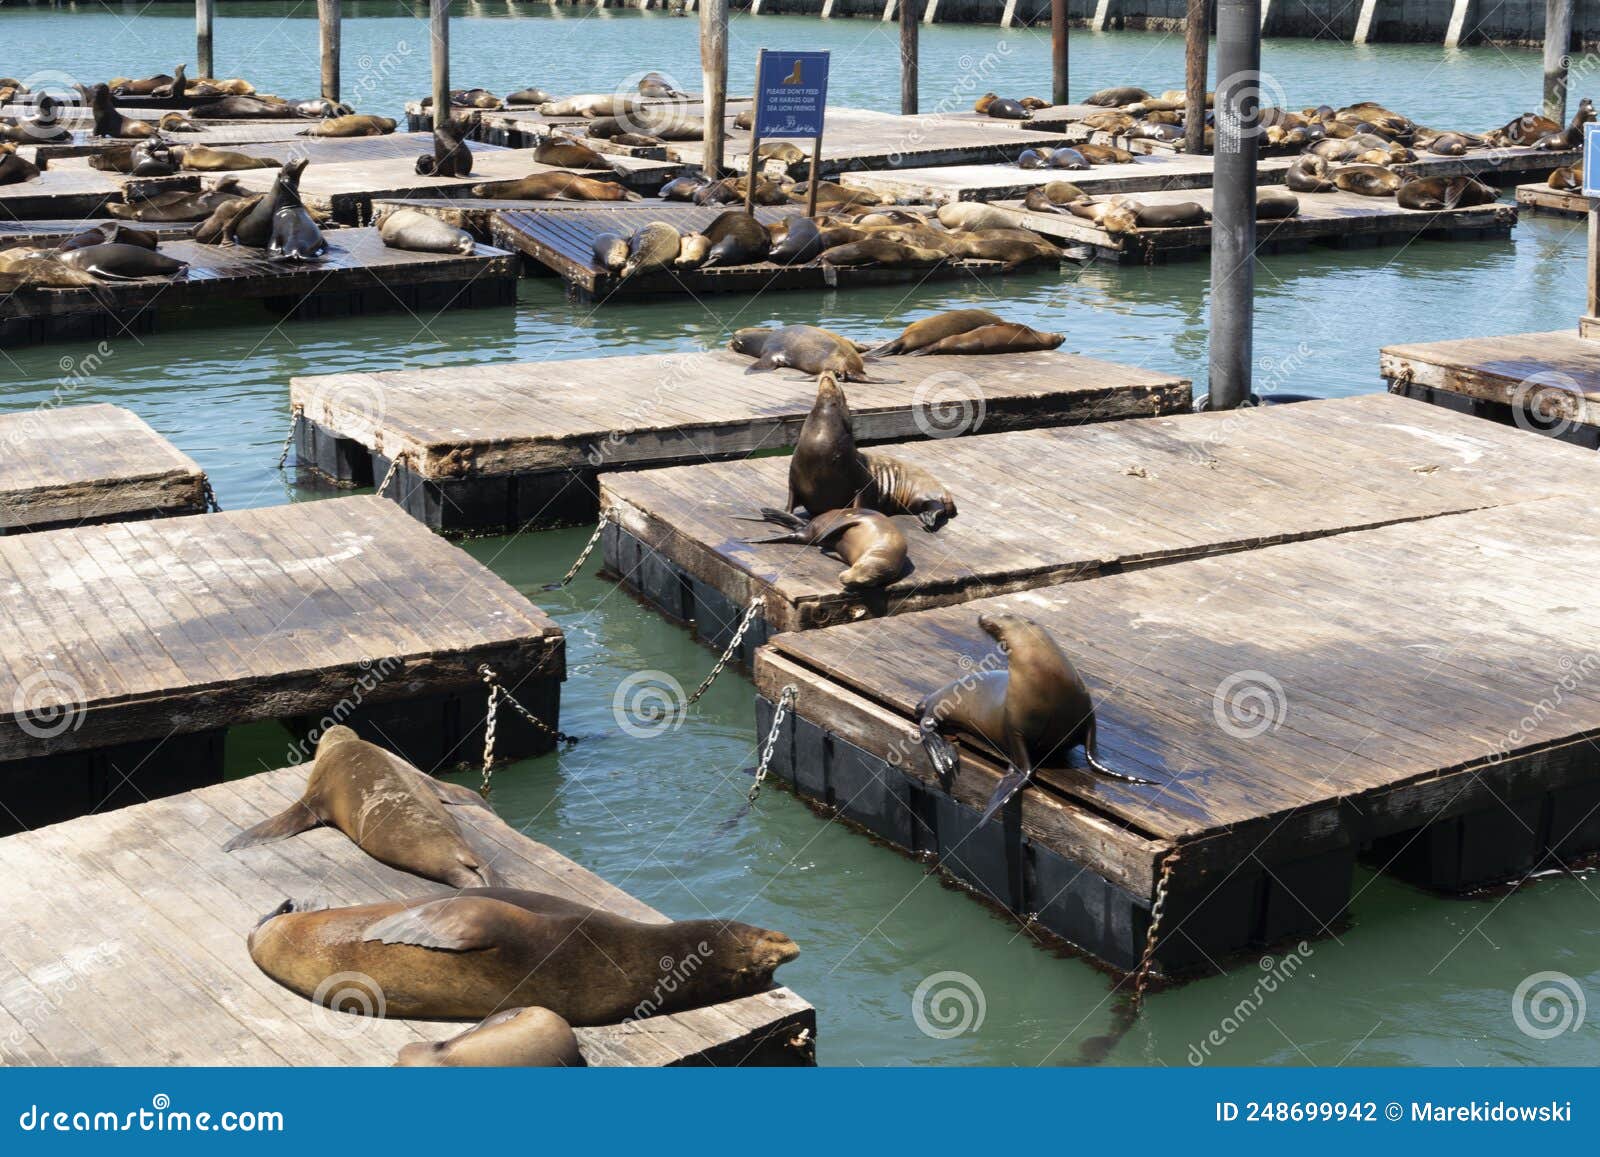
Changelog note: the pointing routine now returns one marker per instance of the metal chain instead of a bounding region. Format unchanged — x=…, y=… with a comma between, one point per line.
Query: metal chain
x=295, y=415
x=730, y=651
x=583, y=555
x=497, y=694
x=490, y=722
x=785, y=702
x=209, y=495
x=1141, y=977
x=394, y=465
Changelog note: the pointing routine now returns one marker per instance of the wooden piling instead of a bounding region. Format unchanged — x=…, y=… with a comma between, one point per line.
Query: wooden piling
x=203, y=12
x=908, y=59
x=1557, y=39
x=1196, y=34
x=714, y=74
x=1058, y=52
x=439, y=20
x=329, y=20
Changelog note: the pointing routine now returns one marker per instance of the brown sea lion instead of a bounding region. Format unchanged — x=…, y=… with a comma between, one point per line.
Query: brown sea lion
x=879, y=251
x=836, y=196
x=654, y=246
x=481, y=950
x=451, y=155
x=1367, y=180
x=745, y=120
x=15, y=169
x=1527, y=129
x=530, y=95
x=1566, y=178
x=1033, y=103
x=1104, y=155
x=927, y=330
x=870, y=545
x=996, y=338
x=568, y=155
x=1050, y=198
x=901, y=487
x=1436, y=193
x=1111, y=121
x=350, y=126
x=683, y=188
x=1170, y=215
x=801, y=242
x=388, y=808
x=610, y=250
x=1032, y=159
x=692, y=251
x=1035, y=711
x=24, y=270
x=784, y=152
x=204, y=159
x=255, y=228
x=811, y=350
x=736, y=239
x=1115, y=214
x=1113, y=97
x=219, y=228
x=515, y=1038
x=977, y=215
x=1276, y=205
x=108, y=122
x=1011, y=247
x=825, y=471
x=1309, y=173
x=179, y=206
x=1570, y=137
x=176, y=122
x=557, y=185
x=419, y=232
x=149, y=86
x=1069, y=159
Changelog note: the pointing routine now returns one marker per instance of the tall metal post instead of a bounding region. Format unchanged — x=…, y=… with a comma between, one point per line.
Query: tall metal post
x=1557, y=39
x=439, y=37
x=1233, y=226
x=908, y=57
x=330, y=24
x=1058, y=52
x=714, y=74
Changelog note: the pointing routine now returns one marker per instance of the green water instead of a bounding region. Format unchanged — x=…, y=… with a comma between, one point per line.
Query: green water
x=1412, y=979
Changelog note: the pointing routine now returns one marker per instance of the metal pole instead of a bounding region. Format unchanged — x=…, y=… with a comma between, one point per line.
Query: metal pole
x=439, y=34
x=329, y=21
x=755, y=140
x=714, y=73
x=908, y=57
x=202, y=37
x=1058, y=52
x=1233, y=225
x=1196, y=38
x=1557, y=39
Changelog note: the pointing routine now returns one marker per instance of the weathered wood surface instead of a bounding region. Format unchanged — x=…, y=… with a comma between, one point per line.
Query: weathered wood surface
x=317, y=150
x=1541, y=198
x=609, y=413
x=57, y=193
x=992, y=182
x=48, y=232
x=346, y=189
x=1554, y=376
x=214, y=133
x=1496, y=166
x=1056, y=118
x=1329, y=218
x=131, y=948
x=1052, y=505
x=149, y=629
x=83, y=464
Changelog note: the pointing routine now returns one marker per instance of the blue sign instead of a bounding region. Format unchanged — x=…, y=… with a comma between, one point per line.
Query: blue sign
x=1591, y=160
x=791, y=93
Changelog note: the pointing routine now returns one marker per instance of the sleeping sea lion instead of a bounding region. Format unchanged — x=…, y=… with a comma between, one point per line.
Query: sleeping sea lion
x=801, y=242
x=1011, y=247
x=388, y=808
x=557, y=185
x=1006, y=109
x=146, y=87
x=1169, y=215
x=995, y=338
x=1050, y=198
x=1527, y=129
x=928, y=330
x=880, y=251
x=1036, y=710
x=683, y=188
x=1309, y=173
x=115, y=261
x=515, y=1038
x=532, y=95
x=591, y=104
x=481, y=950
x=1069, y=159
x=1367, y=180
x=653, y=247
x=977, y=215
x=1112, y=97
x=901, y=487
x=350, y=126
x=811, y=350
x=1445, y=193
x=179, y=206
x=692, y=251
x=1102, y=155
x=109, y=233
x=24, y=270
x=1276, y=205
x=784, y=152
x=837, y=196
x=736, y=239
x=1033, y=159
x=1111, y=121
x=241, y=107
x=610, y=250
x=1566, y=178
x=204, y=159
x=14, y=169
x=419, y=232
x=568, y=155
x=870, y=545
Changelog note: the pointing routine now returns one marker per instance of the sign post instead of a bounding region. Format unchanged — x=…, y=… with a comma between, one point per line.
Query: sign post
x=791, y=96
x=1591, y=190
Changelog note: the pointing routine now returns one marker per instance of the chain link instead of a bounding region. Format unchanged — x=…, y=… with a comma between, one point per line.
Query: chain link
x=209, y=495
x=785, y=702
x=730, y=651
x=497, y=695
x=295, y=416
x=394, y=465
x=1147, y=958
x=583, y=555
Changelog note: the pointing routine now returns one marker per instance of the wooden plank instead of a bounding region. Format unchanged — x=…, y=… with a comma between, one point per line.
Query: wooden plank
x=137, y=953
x=1552, y=379
x=992, y=182
x=1541, y=198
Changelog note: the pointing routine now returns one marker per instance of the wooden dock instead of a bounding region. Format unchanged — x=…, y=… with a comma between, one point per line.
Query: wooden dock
x=217, y=134
x=997, y=182
x=1510, y=166
x=1296, y=715
x=129, y=947
x=1546, y=382
x=60, y=193
x=561, y=240
x=492, y=446
x=76, y=465
x=319, y=151
x=1055, y=505
x=40, y=233
x=1541, y=198
x=1344, y=220
x=130, y=649
x=359, y=275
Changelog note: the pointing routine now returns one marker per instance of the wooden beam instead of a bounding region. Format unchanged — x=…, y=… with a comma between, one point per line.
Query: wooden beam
x=1594, y=264
x=908, y=57
x=1457, y=31
x=439, y=35
x=203, y=12
x=930, y=13
x=1196, y=39
x=330, y=25
x=1008, y=15
x=1058, y=52
x=1557, y=40
x=1369, y=9
x=1101, y=17
x=714, y=74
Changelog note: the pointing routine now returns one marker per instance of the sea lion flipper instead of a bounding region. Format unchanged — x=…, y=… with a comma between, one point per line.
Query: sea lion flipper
x=1010, y=783
x=761, y=365
x=454, y=924
x=293, y=820
x=1091, y=753
x=456, y=795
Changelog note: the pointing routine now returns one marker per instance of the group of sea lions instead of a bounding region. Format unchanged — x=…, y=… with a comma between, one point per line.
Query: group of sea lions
x=109, y=252
x=276, y=221
x=527, y=966
x=1005, y=109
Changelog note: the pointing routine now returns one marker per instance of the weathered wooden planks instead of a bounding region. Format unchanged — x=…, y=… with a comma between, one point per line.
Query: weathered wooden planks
x=1546, y=382
x=317, y=150
x=1509, y=166
x=505, y=445
x=1053, y=505
x=1295, y=713
x=214, y=133
x=132, y=950
x=51, y=232
x=1541, y=198
x=360, y=274
x=1335, y=218
x=86, y=464
x=117, y=639
x=993, y=182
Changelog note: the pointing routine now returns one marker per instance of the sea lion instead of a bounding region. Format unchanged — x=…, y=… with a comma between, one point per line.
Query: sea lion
x=692, y=250
x=1527, y=129
x=1103, y=155
x=1116, y=215
x=1035, y=711
x=16, y=170
x=123, y=262
x=240, y=107
x=175, y=87
x=683, y=188
x=880, y=251
x=901, y=487
x=1112, y=97
x=568, y=155
x=295, y=236
x=977, y=215
x=1069, y=159
x=995, y=338
x=784, y=152
x=1170, y=215
x=350, y=126
x=653, y=247
x=657, y=87
x=176, y=122
x=825, y=471
x=1276, y=205
x=927, y=330
x=204, y=159
x=745, y=120
x=515, y=1038
x=611, y=251
x=1445, y=193
x=24, y=270
x=480, y=98
x=1367, y=180
x=557, y=185
x=1309, y=173
x=1148, y=131
x=1011, y=247
x=220, y=227
x=146, y=87
x=255, y=228
x=1033, y=103
x=812, y=350
x=108, y=233
x=388, y=809
x=1005, y=109
x=419, y=232
x=179, y=206
x=108, y=122
x=1111, y=121
x=1566, y=178
x=1050, y=198
x=531, y=95
x=1033, y=159
x=736, y=239
x=836, y=196
x=666, y=122
x=1570, y=137
x=870, y=545
x=481, y=950
x=1447, y=145
x=802, y=242
x=451, y=156
x=591, y=104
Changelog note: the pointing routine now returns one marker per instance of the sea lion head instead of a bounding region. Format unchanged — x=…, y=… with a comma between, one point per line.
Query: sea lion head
x=335, y=736
x=750, y=340
x=1012, y=631
x=745, y=950
x=830, y=396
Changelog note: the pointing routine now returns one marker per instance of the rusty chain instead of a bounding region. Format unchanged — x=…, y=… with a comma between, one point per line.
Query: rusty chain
x=785, y=702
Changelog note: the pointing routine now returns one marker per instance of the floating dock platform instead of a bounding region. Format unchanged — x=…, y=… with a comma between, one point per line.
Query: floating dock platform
x=132, y=648
x=488, y=447
x=359, y=275
x=215, y=133
x=1345, y=220
x=1541, y=198
x=77, y=465
x=999, y=182
x=319, y=151
x=131, y=949
x=1056, y=505
x=1295, y=716
x=1545, y=382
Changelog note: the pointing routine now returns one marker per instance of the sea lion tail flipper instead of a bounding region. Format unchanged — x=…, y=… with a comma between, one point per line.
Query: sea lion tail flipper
x=455, y=795
x=763, y=364
x=885, y=350
x=941, y=752
x=293, y=820
x=1091, y=752
x=1013, y=781
x=453, y=924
